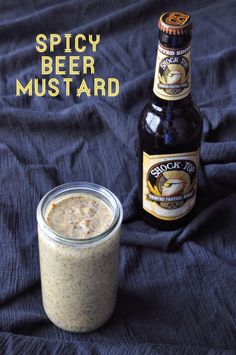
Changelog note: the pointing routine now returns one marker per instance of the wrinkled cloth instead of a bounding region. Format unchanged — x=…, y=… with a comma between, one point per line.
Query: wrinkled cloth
x=176, y=289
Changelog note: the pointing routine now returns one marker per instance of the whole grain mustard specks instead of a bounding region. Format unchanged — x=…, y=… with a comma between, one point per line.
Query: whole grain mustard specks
x=79, y=283
x=79, y=216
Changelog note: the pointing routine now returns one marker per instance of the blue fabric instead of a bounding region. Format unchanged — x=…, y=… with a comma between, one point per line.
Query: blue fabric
x=177, y=289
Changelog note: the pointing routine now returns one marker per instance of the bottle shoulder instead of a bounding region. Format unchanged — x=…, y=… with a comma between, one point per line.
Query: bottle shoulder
x=170, y=110
x=168, y=124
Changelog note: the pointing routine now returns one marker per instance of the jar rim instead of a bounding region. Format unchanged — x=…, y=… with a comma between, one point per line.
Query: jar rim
x=93, y=189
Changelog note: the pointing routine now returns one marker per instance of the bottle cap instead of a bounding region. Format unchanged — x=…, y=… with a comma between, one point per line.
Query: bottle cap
x=175, y=23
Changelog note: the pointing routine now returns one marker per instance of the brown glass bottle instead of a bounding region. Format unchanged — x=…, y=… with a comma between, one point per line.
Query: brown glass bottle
x=170, y=132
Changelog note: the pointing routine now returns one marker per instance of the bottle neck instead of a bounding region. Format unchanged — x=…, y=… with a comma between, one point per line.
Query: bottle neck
x=172, y=79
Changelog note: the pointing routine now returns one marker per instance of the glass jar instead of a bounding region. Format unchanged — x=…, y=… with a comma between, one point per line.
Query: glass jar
x=79, y=277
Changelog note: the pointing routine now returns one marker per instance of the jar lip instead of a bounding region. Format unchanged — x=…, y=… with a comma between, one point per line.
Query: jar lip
x=79, y=187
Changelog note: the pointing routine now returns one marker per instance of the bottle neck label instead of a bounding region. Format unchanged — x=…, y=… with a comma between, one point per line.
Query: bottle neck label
x=173, y=73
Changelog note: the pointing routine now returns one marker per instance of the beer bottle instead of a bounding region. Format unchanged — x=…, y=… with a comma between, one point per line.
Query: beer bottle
x=170, y=131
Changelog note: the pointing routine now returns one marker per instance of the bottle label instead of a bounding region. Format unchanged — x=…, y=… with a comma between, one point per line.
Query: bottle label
x=172, y=75
x=169, y=184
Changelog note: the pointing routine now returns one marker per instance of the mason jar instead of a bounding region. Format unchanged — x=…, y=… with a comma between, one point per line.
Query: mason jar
x=79, y=277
